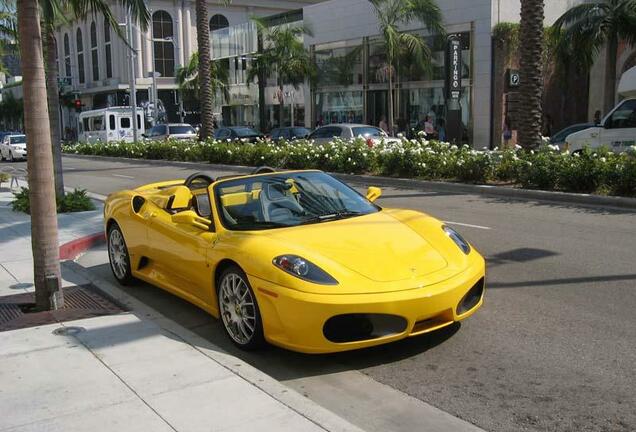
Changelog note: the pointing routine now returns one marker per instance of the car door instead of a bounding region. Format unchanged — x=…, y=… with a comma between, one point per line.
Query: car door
x=180, y=253
x=619, y=130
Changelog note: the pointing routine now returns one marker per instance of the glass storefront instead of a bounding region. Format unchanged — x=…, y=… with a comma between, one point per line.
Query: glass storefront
x=353, y=85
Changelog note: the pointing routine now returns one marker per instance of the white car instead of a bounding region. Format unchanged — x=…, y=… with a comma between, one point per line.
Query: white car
x=373, y=135
x=13, y=147
x=617, y=131
x=179, y=131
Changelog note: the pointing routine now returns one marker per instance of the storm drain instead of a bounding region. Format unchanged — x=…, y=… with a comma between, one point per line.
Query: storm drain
x=80, y=302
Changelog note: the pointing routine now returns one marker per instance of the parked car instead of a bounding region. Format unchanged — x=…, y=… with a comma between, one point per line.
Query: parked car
x=243, y=133
x=13, y=147
x=179, y=131
x=617, y=131
x=559, y=137
x=289, y=133
x=295, y=258
x=373, y=135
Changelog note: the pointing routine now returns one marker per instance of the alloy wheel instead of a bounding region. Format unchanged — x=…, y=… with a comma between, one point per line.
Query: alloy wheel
x=117, y=254
x=238, y=309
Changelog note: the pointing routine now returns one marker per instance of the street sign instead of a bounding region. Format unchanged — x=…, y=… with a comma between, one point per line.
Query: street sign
x=454, y=68
x=514, y=78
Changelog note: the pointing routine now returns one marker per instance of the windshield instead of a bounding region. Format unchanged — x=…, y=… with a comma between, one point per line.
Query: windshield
x=367, y=132
x=181, y=130
x=243, y=132
x=20, y=139
x=287, y=199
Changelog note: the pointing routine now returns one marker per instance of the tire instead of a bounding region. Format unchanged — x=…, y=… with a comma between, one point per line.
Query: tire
x=118, y=256
x=242, y=324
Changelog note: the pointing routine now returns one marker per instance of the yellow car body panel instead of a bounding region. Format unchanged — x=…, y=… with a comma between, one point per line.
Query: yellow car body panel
x=394, y=262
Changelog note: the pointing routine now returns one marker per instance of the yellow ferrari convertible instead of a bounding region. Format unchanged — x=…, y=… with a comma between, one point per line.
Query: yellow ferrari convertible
x=294, y=258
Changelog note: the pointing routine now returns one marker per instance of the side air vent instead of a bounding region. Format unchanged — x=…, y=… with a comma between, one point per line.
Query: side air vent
x=138, y=203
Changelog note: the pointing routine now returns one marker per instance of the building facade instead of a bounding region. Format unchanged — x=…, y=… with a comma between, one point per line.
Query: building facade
x=94, y=62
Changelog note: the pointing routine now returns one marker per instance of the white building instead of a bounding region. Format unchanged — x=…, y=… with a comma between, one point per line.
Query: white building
x=95, y=62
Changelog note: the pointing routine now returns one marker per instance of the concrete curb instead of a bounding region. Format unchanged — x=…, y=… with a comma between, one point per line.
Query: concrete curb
x=73, y=249
x=283, y=394
x=623, y=203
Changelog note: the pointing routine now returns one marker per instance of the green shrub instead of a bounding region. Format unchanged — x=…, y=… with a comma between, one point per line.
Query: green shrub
x=76, y=201
x=546, y=168
x=21, y=201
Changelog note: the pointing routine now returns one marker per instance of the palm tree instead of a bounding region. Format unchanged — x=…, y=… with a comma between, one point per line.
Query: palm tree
x=586, y=28
x=394, y=14
x=55, y=12
x=46, y=263
x=284, y=53
x=205, y=84
x=188, y=78
x=531, y=61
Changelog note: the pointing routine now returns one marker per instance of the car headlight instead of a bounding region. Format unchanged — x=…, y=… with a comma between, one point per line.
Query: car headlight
x=303, y=269
x=458, y=239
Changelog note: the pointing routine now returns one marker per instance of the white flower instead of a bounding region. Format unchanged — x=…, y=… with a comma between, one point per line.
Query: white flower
x=603, y=159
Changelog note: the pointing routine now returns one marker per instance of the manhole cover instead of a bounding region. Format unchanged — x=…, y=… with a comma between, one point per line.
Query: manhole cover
x=80, y=302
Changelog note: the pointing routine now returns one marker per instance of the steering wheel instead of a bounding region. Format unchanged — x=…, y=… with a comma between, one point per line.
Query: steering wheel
x=198, y=178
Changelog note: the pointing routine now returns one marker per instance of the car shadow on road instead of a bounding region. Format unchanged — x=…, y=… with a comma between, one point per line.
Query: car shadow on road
x=279, y=363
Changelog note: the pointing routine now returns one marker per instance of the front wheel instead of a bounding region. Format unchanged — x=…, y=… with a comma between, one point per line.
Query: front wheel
x=118, y=255
x=239, y=310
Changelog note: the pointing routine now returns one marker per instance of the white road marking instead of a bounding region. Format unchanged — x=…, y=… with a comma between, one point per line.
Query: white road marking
x=468, y=225
x=122, y=176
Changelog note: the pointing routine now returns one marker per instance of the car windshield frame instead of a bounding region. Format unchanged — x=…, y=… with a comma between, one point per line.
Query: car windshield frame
x=182, y=130
x=353, y=203
x=22, y=137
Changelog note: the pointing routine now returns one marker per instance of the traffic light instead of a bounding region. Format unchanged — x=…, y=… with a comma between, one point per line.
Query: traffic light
x=78, y=104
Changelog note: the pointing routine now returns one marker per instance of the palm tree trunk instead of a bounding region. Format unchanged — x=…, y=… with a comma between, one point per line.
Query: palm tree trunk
x=390, y=95
x=531, y=86
x=44, y=239
x=205, y=82
x=610, y=74
x=53, y=95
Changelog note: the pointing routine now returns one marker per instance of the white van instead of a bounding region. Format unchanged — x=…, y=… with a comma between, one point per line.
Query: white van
x=109, y=124
x=617, y=131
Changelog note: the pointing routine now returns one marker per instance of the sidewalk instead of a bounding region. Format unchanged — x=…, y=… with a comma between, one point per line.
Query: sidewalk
x=134, y=371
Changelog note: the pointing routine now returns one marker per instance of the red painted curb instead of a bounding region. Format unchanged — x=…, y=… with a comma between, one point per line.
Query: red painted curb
x=72, y=249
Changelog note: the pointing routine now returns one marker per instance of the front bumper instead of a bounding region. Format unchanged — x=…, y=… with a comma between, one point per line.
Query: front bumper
x=296, y=320
x=19, y=153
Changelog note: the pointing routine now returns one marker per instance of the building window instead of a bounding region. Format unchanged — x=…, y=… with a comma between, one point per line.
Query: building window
x=218, y=22
x=67, y=57
x=107, y=47
x=80, y=57
x=164, y=49
x=94, y=56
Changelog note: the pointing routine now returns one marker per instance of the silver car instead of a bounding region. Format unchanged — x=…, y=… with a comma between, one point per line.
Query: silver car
x=180, y=131
x=373, y=135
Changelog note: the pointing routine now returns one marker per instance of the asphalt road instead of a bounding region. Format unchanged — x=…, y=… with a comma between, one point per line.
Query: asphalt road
x=552, y=349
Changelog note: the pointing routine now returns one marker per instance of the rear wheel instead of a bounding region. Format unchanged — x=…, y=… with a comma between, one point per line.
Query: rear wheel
x=118, y=255
x=238, y=309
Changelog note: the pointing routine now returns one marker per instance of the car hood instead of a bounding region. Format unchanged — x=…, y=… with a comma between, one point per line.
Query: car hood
x=376, y=246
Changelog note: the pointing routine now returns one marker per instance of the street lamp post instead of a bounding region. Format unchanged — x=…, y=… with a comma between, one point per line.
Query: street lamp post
x=133, y=78
x=155, y=74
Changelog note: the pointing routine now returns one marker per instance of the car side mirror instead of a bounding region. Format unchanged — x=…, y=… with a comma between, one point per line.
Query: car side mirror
x=373, y=193
x=189, y=217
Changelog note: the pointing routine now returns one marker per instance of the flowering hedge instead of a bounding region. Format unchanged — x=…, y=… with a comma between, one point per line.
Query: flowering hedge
x=547, y=168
